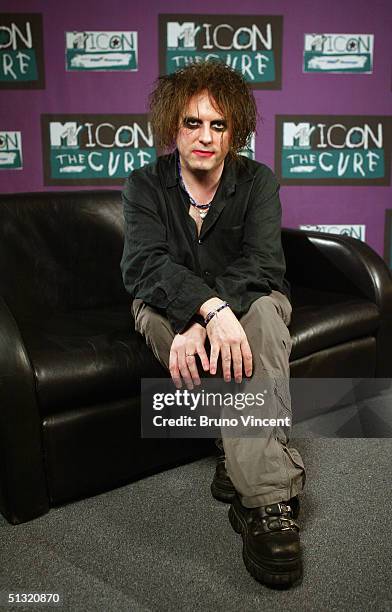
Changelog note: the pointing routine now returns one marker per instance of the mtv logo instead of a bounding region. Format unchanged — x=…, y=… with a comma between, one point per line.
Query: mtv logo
x=297, y=134
x=76, y=40
x=182, y=32
x=64, y=134
x=317, y=43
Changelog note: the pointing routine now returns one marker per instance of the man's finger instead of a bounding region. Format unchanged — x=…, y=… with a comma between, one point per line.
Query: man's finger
x=247, y=358
x=173, y=368
x=201, y=351
x=226, y=362
x=192, y=367
x=237, y=362
x=184, y=370
x=214, y=354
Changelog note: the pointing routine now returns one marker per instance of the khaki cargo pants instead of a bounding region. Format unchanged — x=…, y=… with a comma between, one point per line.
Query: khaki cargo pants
x=263, y=469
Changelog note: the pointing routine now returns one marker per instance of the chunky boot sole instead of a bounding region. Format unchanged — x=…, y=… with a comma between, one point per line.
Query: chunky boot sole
x=288, y=574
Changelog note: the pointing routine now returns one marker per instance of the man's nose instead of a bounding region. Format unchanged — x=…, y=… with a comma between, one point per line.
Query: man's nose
x=205, y=134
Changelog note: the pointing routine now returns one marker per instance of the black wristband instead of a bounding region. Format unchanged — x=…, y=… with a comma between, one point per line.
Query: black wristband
x=212, y=313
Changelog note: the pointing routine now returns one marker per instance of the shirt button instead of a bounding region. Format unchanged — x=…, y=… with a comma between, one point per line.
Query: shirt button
x=200, y=241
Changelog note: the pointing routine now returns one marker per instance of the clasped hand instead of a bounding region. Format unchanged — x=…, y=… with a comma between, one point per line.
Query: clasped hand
x=227, y=338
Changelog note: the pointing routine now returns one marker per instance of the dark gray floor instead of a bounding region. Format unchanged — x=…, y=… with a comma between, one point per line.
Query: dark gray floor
x=164, y=544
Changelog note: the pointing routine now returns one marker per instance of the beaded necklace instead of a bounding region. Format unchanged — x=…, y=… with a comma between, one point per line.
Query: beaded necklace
x=201, y=208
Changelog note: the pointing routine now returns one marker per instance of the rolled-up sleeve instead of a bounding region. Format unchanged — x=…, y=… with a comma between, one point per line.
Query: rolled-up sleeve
x=148, y=270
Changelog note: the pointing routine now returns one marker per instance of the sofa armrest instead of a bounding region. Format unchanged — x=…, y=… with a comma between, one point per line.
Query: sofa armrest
x=337, y=264
x=340, y=264
x=23, y=492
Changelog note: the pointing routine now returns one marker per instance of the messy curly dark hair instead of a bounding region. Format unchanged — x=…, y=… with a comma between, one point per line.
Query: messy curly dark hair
x=233, y=97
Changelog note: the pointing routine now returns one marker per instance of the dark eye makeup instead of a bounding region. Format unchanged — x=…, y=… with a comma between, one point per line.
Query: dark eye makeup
x=193, y=123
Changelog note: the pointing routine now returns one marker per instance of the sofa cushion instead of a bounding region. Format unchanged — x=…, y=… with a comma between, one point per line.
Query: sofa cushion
x=323, y=320
x=87, y=356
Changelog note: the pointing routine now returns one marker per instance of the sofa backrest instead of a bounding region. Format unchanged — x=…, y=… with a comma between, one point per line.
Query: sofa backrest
x=60, y=251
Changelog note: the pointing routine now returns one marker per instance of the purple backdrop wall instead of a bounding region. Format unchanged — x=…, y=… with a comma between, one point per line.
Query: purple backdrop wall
x=126, y=92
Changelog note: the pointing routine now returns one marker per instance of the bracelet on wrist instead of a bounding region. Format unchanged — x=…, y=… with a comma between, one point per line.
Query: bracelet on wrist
x=212, y=313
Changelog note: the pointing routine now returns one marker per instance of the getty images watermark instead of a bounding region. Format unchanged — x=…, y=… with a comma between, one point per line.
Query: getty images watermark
x=202, y=412
x=202, y=399
x=327, y=407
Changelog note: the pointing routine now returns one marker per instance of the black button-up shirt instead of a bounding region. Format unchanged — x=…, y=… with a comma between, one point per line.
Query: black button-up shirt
x=237, y=257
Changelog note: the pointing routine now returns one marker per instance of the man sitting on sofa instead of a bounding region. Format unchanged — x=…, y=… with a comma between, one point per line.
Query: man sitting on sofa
x=204, y=265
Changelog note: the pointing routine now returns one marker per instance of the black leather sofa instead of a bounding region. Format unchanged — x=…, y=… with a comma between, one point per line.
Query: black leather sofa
x=71, y=363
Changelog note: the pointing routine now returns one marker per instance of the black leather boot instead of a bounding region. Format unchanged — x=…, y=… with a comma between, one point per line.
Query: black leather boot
x=223, y=489
x=271, y=546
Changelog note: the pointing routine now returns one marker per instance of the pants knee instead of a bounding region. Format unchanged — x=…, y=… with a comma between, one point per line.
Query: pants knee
x=266, y=331
x=262, y=318
x=156, y=331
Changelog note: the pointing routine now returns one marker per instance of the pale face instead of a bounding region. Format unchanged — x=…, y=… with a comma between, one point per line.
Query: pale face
x=203, y=138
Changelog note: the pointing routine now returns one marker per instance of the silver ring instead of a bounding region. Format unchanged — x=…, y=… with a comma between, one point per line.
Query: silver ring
x=189, y=355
